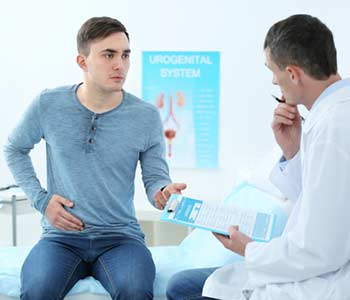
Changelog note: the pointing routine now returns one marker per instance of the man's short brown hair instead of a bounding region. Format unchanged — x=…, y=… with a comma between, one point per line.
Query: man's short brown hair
x=97, y=28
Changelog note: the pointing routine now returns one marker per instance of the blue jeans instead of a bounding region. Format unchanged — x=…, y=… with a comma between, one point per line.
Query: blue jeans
x=188, y=284
x=124, y=266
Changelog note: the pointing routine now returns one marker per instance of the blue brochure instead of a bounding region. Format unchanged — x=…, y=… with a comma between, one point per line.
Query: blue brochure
x=218, y=217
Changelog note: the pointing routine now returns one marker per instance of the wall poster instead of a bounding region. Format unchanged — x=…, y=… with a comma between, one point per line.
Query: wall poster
x=185, y=88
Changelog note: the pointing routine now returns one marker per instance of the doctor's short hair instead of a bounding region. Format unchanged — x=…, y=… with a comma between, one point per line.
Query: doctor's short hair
x=304, y=41
x=95, y=29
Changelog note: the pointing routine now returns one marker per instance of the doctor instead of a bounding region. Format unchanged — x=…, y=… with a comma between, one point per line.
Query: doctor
x=311, y=260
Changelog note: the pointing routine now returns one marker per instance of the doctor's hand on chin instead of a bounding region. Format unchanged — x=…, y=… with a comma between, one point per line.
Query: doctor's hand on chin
x=236, y=241
x=286, y=126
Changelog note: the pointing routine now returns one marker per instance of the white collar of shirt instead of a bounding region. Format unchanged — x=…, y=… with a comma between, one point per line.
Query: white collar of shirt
x=329, y=97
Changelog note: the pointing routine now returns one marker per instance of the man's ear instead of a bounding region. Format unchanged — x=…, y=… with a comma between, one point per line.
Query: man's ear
x=81, y=61
x=295, y=73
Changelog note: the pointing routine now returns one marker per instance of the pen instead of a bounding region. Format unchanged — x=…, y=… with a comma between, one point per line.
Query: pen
x=283, y=101
x=278, y=99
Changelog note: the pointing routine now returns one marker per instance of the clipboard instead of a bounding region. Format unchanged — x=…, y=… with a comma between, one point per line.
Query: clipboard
x=218, y=217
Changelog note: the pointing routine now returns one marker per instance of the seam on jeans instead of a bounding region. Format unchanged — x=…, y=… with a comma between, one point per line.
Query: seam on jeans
x=69, y=278
x=107, y=274
x=192, y=297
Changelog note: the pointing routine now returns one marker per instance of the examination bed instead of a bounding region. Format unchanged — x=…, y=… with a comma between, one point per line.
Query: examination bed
x=198, y=249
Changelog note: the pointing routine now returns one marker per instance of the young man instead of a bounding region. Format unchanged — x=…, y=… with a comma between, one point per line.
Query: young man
x=311, y=260
x=95, y=134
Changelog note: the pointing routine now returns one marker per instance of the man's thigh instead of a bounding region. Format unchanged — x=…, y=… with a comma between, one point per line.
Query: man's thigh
x=50, y=270
x=127, y=270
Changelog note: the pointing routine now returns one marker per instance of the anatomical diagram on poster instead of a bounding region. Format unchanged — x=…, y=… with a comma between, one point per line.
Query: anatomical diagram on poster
x=184, y=86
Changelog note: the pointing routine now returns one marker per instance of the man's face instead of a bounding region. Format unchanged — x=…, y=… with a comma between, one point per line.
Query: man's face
x=107, y=64
x=283, y=78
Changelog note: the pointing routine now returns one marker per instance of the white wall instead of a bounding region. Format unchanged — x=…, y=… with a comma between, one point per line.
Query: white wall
x=38, y=51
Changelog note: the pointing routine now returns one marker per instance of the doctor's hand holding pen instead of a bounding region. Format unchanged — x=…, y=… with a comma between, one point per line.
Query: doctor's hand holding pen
x=286, y=126
x=59, y=217
x=162, y=196
x=236, y=241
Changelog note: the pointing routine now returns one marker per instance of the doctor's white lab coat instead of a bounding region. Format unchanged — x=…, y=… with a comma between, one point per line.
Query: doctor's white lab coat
x=311, y=260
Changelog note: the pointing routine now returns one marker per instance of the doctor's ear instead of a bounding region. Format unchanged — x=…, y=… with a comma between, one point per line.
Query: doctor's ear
x=295, y=73
x=81, y=61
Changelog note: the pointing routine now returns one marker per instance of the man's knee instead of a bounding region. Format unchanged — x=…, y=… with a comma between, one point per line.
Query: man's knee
x=175, y=286
x=188, y=284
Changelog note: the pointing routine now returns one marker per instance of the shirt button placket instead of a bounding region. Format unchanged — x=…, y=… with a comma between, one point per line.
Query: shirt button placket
x=92, y=132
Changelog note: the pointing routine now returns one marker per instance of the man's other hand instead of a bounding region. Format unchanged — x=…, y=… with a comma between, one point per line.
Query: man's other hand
x=59, y=217
x=236, y=241
x=162, y=197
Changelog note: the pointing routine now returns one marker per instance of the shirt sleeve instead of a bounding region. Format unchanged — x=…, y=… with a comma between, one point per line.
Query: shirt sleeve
x=21, y=141
x=287, y=178
x=319, y=241
x=283, y=163
x=155, y=170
